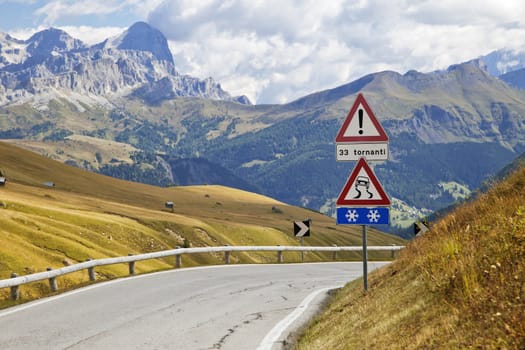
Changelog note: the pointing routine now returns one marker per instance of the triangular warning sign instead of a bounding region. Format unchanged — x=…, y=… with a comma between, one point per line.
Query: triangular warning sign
x=361, y=125
x=363, y=188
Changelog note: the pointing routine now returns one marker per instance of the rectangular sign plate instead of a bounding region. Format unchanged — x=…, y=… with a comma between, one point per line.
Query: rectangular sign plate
x=363, y=216
x=354, y=151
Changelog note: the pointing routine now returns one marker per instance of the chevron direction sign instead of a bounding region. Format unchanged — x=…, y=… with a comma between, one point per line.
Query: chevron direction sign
x=420, y=228
x=301, y=228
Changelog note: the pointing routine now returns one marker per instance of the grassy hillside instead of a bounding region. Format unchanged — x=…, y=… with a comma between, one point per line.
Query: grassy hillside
x=87, y=152
x=438, y=125
x=86, y=215
x=460, y=286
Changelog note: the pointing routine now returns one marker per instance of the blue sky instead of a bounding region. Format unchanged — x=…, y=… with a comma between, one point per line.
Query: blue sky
x=275, y=51
x=18, y=14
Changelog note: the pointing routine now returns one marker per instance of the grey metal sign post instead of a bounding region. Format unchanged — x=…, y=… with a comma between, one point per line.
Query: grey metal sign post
x=365, y=260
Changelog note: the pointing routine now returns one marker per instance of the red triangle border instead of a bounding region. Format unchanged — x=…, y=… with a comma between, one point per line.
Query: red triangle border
x=341, y=138
x=383, y=201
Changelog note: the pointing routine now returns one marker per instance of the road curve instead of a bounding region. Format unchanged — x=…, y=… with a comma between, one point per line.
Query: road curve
x=219, y=307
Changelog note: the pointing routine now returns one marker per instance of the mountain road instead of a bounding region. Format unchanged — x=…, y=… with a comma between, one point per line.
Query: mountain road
x=217, y=307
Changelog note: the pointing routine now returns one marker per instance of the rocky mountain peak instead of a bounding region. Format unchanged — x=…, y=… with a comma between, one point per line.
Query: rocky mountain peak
x=503, y=61
x=12, y=50
x=51, y=40
x=142, y=37
x=5, y=37
x=136, y=63
x=243, y=99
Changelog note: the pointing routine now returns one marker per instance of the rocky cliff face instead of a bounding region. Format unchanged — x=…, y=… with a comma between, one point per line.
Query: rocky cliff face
x=51, y=63
x=141, y=37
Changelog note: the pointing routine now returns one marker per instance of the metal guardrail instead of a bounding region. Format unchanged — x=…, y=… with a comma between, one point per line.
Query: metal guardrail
x=15, y=281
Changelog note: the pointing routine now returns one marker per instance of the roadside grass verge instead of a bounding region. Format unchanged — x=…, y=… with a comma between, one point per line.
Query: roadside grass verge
x=460, y=286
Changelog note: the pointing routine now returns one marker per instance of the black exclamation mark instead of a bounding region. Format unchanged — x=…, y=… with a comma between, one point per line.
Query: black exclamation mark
x=360, y=121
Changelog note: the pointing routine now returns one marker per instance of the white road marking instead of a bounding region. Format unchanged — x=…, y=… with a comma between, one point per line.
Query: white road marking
x=271, y=338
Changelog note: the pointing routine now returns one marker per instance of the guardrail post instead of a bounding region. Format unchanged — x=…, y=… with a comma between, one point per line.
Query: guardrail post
x=131, y=266
x=279, y=256
x=227, y=256
x=334, y=254
x=15, y=290
x=302, y=251
x=91, y=272
x=52, y=282
x=178, y=261
x=393, y=251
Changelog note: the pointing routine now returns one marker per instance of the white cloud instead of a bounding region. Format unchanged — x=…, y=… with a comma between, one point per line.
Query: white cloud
x=56, y=10
x=53, y=10
x=279, y=50
x=25, y=33
x=463, y=12
x=92, y=35
x=69, y=15
x=89, y=35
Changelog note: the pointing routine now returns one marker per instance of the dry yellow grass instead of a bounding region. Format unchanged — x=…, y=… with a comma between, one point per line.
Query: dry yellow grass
x=92, y=216
x=79, y=148
x=460, y=286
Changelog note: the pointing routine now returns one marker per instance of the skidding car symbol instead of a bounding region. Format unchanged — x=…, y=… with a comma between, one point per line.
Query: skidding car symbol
x=363, y=181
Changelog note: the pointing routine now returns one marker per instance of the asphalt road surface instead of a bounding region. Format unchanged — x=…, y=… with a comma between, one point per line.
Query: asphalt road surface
x=221, y=307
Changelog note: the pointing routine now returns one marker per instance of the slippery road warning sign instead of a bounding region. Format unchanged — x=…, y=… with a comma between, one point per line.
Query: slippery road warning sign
x=363, y=188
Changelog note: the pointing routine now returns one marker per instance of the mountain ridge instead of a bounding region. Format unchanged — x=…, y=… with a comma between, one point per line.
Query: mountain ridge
x=51, y=62
x=454, y=126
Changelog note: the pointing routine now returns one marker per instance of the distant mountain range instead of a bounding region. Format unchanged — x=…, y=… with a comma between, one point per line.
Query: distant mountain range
x=121, y=108
x=138, y=62
x=507, y=65
x=503, y=61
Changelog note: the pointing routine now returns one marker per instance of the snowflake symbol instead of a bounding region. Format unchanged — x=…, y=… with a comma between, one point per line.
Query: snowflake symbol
x=373, y=215
x=351, y=215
